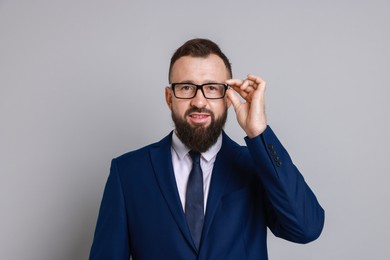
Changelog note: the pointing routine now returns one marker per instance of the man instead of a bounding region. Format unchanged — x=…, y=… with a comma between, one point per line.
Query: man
x=164, y=202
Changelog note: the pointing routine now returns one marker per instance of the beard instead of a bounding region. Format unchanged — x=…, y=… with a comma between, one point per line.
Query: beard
x=199, y=138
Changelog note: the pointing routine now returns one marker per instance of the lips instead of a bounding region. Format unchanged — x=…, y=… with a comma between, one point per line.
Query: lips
x=199, y=118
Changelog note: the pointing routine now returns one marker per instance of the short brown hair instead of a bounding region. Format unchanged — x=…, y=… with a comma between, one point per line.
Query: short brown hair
x=199, y=48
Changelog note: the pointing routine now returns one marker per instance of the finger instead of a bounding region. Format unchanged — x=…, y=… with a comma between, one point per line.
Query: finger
x=243, y=87
x=234, y=82
x=240, y=83
x=247, y=89
x=245, y=84
x=242, y=92
x=259, y=91
x=236, y=102
x=258, y=80
x=258, y=99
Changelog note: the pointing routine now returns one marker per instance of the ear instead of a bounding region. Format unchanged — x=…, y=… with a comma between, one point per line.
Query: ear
x=228, y=102
x=168, y=97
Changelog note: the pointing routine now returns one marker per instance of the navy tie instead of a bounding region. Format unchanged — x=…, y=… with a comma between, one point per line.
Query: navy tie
x=194, y=199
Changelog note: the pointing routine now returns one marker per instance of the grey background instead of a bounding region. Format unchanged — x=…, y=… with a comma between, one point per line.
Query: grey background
x=83, y=81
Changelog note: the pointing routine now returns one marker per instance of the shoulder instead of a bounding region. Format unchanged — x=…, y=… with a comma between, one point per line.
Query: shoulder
x=143, y=152
x=234, y=153
x=231, y=146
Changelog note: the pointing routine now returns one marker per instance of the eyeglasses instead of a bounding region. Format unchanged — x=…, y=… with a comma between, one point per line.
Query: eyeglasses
x=209, y=90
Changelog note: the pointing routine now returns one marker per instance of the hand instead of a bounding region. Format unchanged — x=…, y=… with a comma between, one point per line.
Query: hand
x=251, y=113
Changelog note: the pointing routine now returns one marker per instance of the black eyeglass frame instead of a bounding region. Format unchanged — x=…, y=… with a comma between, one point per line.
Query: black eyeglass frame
x=226, y=87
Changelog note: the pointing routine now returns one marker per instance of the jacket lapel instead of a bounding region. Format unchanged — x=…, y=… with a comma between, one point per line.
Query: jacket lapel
x=161, y=160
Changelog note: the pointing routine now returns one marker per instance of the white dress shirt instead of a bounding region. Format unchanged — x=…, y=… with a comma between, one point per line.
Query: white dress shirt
x=182, y=164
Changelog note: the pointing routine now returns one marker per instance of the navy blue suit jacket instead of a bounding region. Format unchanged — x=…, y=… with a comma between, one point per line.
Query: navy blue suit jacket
x=252, y=188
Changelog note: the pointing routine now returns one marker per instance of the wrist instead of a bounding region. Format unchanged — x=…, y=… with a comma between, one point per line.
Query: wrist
x=256, y=132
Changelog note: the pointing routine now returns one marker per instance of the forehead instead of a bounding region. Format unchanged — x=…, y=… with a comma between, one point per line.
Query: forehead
x=199, y=69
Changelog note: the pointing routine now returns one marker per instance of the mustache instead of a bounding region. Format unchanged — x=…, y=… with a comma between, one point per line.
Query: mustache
x=198, y=110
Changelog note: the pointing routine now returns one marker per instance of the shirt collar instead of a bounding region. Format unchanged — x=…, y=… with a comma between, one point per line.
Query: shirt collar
x=182, y=150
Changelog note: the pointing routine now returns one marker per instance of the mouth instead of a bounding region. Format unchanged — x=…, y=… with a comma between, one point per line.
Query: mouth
x=199, y=118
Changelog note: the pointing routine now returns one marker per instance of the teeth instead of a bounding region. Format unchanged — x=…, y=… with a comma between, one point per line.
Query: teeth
x=198, y=116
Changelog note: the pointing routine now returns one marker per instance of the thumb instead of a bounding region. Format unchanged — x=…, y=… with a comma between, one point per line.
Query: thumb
x=233, y=97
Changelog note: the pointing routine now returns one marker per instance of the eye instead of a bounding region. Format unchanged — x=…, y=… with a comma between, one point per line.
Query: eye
x=213, y=87
x=186, y=87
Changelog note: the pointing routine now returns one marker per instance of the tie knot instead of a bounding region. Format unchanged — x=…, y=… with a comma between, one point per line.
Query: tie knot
x=195, y=156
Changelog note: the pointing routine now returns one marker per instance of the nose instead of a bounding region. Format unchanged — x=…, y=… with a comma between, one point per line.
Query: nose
x=199, y=100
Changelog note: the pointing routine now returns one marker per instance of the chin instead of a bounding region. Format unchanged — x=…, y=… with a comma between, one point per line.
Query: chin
x=199, y=125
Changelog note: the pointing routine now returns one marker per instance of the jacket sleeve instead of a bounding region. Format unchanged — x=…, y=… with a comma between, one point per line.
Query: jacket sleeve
x=293, y=212
x=111, y=240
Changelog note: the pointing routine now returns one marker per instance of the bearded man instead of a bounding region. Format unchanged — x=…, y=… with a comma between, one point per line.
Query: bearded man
x=196, y=194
